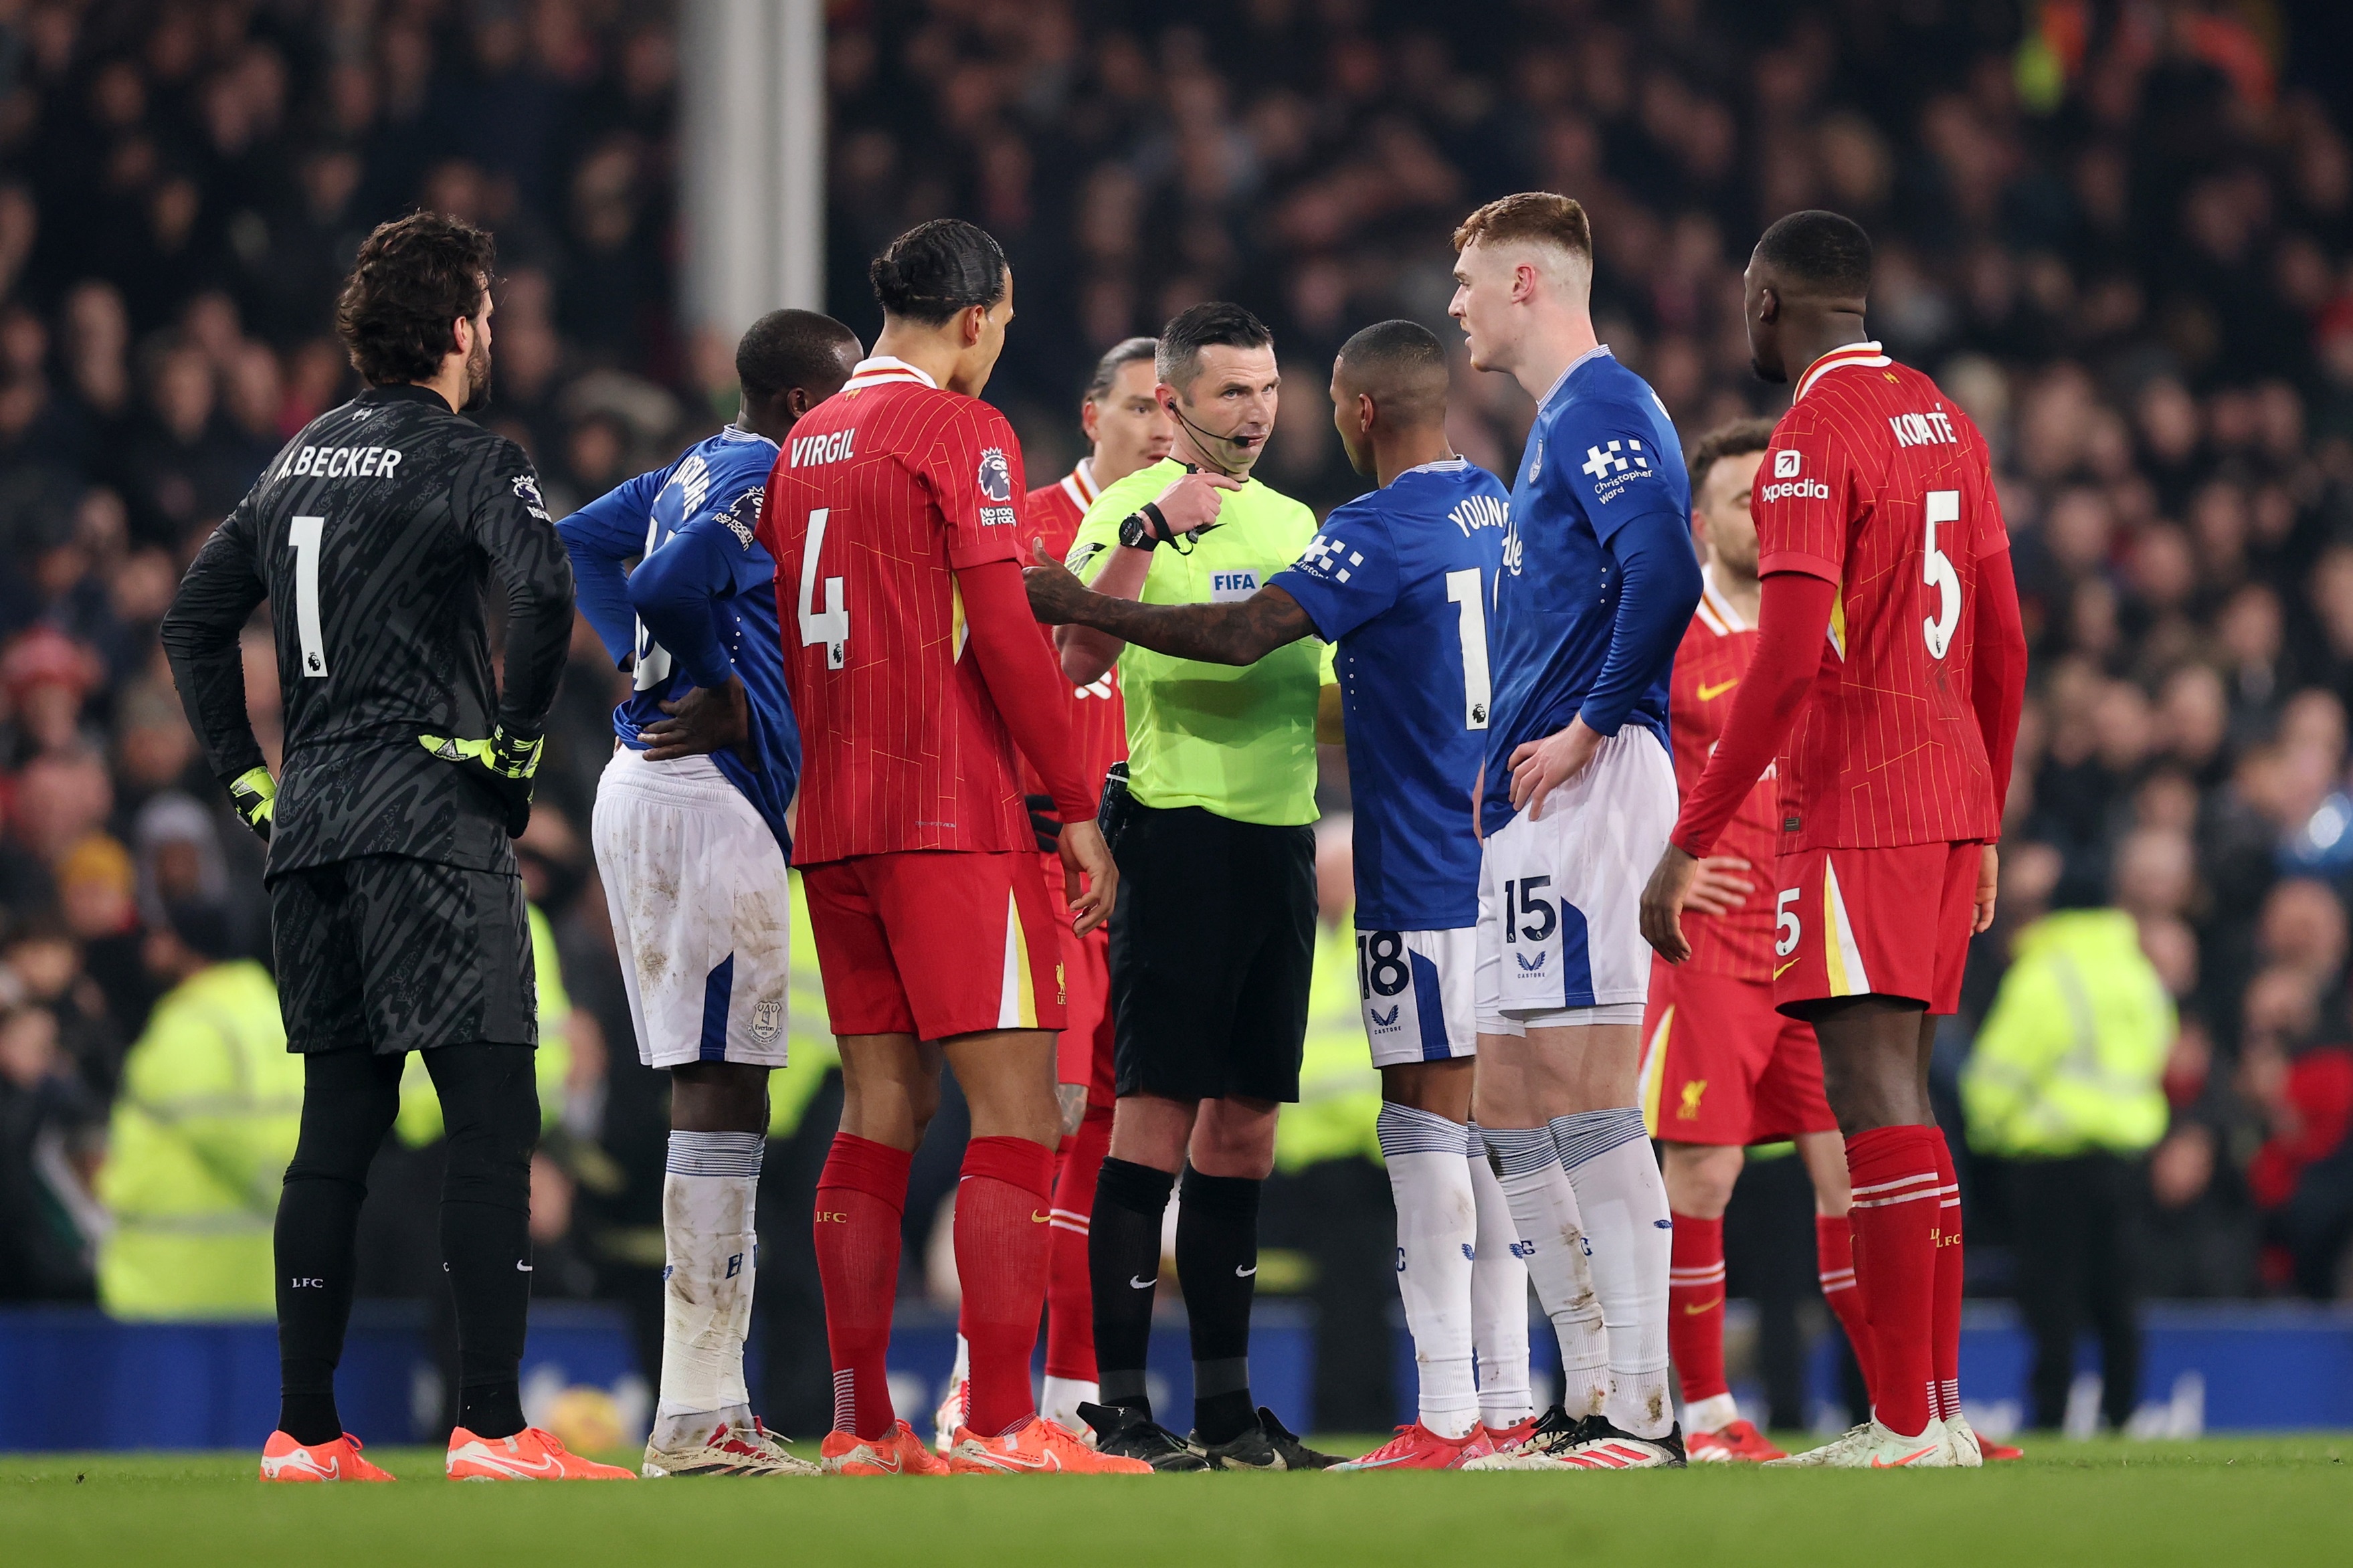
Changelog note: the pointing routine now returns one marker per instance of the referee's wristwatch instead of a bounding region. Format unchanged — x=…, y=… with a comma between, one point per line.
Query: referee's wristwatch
x=1145, y=528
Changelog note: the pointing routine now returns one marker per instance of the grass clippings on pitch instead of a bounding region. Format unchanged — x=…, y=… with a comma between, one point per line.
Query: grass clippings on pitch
x=2273, y=1501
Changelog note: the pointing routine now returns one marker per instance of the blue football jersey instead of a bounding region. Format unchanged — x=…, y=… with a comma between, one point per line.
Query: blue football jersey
x=1601, y=457
x=1401, y=579
x=700, y=602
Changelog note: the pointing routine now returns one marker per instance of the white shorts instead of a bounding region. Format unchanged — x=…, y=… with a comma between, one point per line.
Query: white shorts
x=1417, y=993
x=701, y=911
x=1560, y=895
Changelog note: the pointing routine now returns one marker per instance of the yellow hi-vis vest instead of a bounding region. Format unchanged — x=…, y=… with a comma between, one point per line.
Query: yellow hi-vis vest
x=419, y=1120
x=2069, y=1059
x=210, y=1106
x=1339, y=1089
x=811, y=1047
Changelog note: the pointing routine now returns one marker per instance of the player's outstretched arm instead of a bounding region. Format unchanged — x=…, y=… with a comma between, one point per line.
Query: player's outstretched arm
x=1029, y=693
x=1190, y=504
x=200, y=636
x=1214, y=634
x=1793, y=617
x=601, y=538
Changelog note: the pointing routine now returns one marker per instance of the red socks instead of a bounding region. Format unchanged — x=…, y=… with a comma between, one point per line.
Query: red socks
x=1946, y=1349
x=1834, y=1260
x=1896, y=1198
x=1069, y=1296
x=859, y=1198
x=1695, y=1307
x=1001, y=1246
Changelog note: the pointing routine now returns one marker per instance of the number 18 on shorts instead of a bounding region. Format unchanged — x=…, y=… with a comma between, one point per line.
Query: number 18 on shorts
x=1416, y=987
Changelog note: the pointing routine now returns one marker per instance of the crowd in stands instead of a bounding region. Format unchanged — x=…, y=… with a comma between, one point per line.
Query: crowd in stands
x=2120, y=235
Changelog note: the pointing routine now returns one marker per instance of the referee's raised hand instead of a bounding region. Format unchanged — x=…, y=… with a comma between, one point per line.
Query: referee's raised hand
x=1192, y=502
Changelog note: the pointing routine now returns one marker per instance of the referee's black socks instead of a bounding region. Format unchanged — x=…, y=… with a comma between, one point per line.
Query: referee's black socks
x=1122, y=1267
x=1217, y=1263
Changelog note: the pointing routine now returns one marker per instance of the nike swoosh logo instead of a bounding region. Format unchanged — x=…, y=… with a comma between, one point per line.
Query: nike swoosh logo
x=522, y=1268
x=300, y=1461
x=1785, y=969
x=1025, y=1461
x=1692, y=1311
x=1037, y=1218
x=1709, y=693
x=513, y=1466
x=880, y=1461
x=1142, y=1284
x=1879, y=1464
x=1245, y=1273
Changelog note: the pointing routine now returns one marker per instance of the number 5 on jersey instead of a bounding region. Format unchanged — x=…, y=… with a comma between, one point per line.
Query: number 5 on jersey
x=830, y=625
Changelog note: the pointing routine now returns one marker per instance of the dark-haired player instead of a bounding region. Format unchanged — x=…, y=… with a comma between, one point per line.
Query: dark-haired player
x=395, y=906
x=1721, y=1069
x=919, y=680
x=1398, y=581
x=692, y=841
x=1212, y=947
x=1889, y=672
x=1126, y=431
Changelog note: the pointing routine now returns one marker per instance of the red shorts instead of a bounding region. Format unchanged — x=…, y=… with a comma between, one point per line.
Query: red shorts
x=1720, y=1065
x=1083, y=1053
x=1893, y=923
x=935, y=944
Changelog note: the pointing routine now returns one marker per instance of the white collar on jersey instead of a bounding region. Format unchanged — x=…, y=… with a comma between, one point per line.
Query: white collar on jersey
x=1867, y=353
x=1715, y=610
x=1442, y=466
x=1599, y=351
x=884, y=368
x=1079, y=485
x=737, y=433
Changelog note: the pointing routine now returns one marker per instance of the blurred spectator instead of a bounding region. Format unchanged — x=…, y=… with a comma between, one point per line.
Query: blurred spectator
x=48, y=1123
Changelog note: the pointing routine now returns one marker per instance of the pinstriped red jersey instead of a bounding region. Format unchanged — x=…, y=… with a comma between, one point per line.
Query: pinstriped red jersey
x=878, y=496
x=1098, y=719
x=1877, y=483
x=1709, y=663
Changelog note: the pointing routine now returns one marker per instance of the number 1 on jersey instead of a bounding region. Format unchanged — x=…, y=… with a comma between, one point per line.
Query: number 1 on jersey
x=830, y=625
x=1462, y=588
x=1936, y=571
x=303, y=535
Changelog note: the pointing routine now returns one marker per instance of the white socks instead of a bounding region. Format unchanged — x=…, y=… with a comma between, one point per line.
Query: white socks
x=1060, y=1399
x=1624, y=1200
x=708, y=1196
x=1499, y=1299
x=1437, y=1233
x=1544, y=1210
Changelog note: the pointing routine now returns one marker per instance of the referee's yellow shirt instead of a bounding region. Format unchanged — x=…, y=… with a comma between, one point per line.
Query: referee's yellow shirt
x=1239, y=742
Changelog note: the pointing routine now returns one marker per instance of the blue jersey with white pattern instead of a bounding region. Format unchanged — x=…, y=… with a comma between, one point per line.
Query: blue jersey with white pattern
x=1602, y=479
x=700, y=606
x=1401, y=579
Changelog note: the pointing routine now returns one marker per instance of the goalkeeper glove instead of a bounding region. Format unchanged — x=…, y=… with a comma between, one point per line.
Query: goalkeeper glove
x=254, y=793
x=505, y=763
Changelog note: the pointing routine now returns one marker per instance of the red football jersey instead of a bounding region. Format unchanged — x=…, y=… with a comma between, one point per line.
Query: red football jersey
x=1877, y=483
x=1051, y=515
x=1708, y=667
x=878, y=496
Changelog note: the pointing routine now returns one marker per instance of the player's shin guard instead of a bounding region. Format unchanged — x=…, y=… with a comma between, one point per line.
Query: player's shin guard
x=1499, y=1297
x=1438, y=1235
x=1624, y=1198
x=1069, y=1292
x=1894, y=1219
x=1835, y=1263
x=1123, y=1263
x=710, y=1184
x=1553, y=1242
x=1945, y=1352
x=1217, y=1264
x=1001, y=1243
x=349, y=1100
x=1695, y=1321
x=861, y=1195
x=490, y=1106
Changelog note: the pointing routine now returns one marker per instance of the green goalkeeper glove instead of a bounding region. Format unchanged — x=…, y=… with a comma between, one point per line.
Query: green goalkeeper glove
x=255, y=795
x=505, y=763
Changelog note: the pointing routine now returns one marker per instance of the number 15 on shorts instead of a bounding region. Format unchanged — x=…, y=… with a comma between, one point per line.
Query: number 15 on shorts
x=1532, y=972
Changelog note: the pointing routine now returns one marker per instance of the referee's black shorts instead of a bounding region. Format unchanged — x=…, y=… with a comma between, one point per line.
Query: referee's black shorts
x=387, y=953
x=1212, y=951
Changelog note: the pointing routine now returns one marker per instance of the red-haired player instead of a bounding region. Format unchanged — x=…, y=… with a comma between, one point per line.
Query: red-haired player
x=915, y=672
x=1891, y=661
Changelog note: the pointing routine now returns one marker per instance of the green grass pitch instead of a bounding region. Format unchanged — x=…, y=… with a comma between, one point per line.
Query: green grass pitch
x=2274, y=1501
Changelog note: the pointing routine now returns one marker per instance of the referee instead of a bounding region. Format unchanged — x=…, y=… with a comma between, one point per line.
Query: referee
x=1213, y=939
x=397, y=909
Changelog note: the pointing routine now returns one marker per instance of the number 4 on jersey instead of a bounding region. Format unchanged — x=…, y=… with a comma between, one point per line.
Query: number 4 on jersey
x=830, y=625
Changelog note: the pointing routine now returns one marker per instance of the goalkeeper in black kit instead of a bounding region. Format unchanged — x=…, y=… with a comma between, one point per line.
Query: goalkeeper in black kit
x=396, y=908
